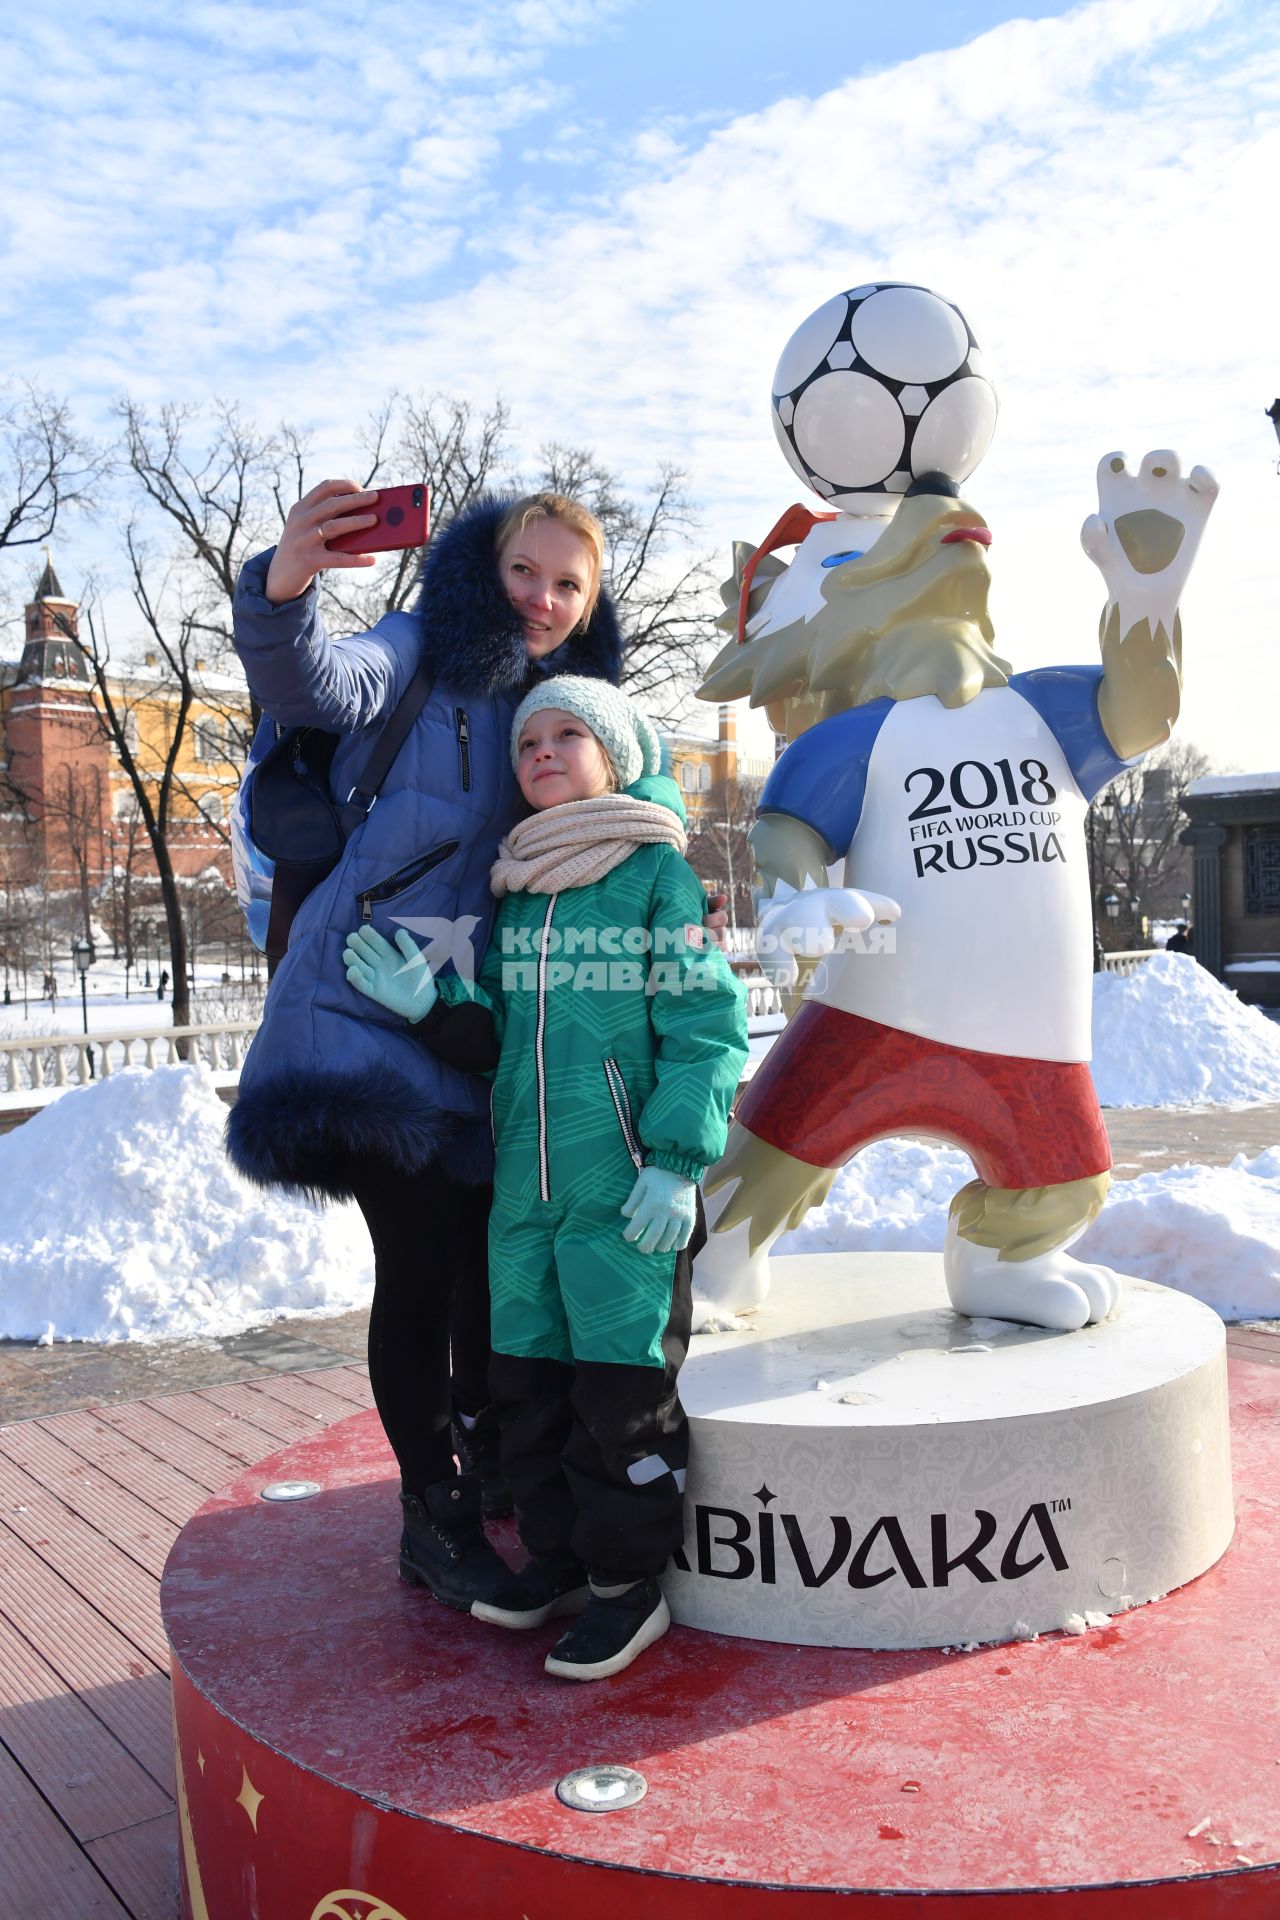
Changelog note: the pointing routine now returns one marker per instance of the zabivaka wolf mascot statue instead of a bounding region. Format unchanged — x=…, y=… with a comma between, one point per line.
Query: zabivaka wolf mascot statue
x=928, y=787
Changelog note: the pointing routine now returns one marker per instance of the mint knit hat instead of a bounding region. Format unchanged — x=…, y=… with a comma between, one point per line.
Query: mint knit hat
x=626, y=734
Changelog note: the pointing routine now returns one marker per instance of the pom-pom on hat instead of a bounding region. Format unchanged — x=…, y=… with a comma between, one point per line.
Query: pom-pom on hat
x=626, y=734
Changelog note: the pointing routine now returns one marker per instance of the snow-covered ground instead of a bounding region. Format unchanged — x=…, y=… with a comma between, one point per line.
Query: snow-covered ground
x=112, y=1010
x=123, y=1219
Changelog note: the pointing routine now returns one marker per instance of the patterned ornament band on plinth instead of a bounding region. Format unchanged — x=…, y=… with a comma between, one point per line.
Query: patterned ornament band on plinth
x=871, y=1469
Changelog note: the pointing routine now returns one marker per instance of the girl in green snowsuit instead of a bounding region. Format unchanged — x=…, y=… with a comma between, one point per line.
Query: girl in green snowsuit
x=615, y=1034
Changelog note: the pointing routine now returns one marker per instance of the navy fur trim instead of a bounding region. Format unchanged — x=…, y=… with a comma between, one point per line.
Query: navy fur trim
x=308, y=1129
x=472, y=639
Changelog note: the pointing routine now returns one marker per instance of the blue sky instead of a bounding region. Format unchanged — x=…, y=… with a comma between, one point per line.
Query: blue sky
x=615, y=212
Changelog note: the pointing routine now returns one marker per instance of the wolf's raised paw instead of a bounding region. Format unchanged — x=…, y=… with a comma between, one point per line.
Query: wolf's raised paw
x=1145, y=533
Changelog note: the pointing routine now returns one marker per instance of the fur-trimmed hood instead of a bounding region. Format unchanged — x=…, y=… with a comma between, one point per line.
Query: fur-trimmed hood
x=472, y=637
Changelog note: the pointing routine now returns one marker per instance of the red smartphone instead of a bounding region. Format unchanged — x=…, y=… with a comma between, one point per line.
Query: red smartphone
x=402, y=522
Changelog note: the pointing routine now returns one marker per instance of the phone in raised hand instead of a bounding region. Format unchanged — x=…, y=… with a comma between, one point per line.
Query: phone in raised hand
x=403, y=519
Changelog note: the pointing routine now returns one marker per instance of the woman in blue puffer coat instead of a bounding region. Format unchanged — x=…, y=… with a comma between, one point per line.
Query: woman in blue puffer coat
x=338, y=1101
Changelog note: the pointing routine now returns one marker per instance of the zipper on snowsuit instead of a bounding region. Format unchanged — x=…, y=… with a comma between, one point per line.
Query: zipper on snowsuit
x=539, y=1060
x=462, y=727
x=622, y=1107
x=403, y=878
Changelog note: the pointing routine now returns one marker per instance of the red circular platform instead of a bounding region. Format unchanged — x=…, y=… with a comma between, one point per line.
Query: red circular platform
x=350, y=1750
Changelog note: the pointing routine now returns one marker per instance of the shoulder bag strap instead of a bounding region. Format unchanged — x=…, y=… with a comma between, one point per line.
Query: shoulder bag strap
x=389, y=742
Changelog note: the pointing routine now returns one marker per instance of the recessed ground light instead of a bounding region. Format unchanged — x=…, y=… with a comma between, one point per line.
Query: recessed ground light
x=602, y=1789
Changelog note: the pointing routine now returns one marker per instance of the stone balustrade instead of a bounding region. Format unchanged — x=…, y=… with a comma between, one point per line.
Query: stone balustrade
x=44, y=1065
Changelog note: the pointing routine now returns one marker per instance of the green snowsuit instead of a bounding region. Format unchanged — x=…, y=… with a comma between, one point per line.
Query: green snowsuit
x=620, y=1034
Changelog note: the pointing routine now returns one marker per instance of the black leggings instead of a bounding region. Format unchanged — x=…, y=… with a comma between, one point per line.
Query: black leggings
x=429, y=1324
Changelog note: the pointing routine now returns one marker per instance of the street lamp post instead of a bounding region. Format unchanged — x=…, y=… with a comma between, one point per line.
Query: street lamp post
x=83, y=955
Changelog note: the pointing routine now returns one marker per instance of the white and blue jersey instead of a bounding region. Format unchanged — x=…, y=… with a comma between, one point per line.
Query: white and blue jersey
x=972, y=819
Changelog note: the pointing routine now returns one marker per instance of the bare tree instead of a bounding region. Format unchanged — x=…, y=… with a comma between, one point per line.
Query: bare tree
x=127, y=834
x=221, y=494
x=663, y=589
x=1135, y=851
x=719, y=854
x=45, y=466
x=79, y=803
x=19, y=920
x=459, y=452
x=151, y=764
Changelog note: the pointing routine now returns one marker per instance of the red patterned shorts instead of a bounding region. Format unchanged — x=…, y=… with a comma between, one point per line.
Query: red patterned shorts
x=833, y=1081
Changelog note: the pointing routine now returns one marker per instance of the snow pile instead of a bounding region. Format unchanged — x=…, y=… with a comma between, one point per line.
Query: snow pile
x=891, y=1198
x=1210, y=1231
x=1213, y=1232
x=124, y=1220
x=1170, y=1035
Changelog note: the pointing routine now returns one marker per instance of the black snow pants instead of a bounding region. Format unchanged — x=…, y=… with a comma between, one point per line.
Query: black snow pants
x=595, y=1454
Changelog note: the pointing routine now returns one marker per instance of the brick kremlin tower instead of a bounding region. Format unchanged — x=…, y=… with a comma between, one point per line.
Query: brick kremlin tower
x=58, y=765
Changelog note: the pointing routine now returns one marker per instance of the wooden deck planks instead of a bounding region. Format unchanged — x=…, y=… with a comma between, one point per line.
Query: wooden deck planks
x=171, y=1440
x=312, y=1393
x=194, y=1415
x=351, y=1382
x=126, y=1689
x=90, y=1502
x=90, y=1779
x=91, y=1564
x=141, y=1865
x=43, y=1870
x=284, y=1422
x=101, y=1502
x=165, y=1487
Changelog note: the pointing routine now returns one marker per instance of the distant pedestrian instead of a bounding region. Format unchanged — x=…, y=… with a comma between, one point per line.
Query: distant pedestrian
x=164, y=981
x=1180, y=940
x=49, y=991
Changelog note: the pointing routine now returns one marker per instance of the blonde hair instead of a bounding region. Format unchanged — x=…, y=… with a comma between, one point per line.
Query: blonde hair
x=568, y=513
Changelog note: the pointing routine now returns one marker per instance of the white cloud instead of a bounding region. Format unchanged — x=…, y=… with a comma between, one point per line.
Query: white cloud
x=305, y=215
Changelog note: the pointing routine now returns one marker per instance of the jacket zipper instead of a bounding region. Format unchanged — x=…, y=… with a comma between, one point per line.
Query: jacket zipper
x=403, y=877
x=539, y=1057
x=622, y=1107
x=462, y=727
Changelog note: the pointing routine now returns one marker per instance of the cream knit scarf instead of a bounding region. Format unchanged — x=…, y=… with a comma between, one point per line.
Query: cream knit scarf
x=581, y=841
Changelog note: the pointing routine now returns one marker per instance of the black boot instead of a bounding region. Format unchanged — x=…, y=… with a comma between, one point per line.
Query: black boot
x=476, y=1448
x=443, y=1545
x=543, y=1590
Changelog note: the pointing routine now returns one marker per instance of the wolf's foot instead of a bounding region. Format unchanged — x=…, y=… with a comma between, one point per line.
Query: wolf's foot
x=1050, y=1290
x=728, y=1278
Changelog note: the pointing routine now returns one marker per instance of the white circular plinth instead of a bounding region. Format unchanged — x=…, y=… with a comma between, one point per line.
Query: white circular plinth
x=870, y=1469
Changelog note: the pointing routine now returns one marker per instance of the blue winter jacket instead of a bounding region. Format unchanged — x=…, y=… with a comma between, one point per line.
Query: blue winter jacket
x=332, y=1079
